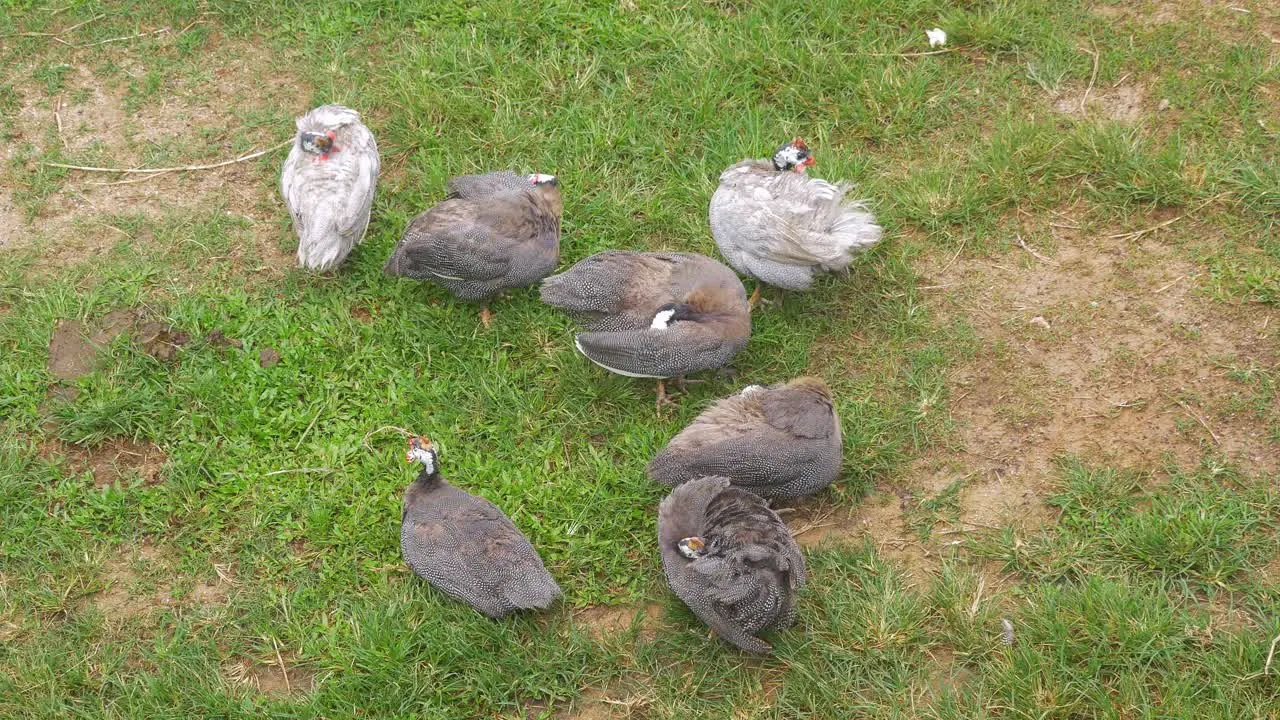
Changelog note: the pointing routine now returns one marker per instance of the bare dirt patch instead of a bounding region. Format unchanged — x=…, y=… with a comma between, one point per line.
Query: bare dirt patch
x=71, y=354
x=73, y=349
x=195, y=117
x=1126, y=102
x=1103, y=350
x=279, y=676
x=126, y=594
x=608, y=704
x=880, y=518
x=606, y=621
x=112, y=460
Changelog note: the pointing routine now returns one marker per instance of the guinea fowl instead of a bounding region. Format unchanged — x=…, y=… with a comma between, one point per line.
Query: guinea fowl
x=778, y=441
x=653, y=314
x=328, y=182
x=730, y=559
x=493, y=232
x=465, y=546
x=777, y=225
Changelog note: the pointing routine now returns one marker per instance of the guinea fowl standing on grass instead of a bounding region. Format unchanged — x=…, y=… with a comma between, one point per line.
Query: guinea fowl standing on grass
x=730, y=559
x=465, y=546
x=778, y=441
x=779, y=226
x=328, y=182
x=493, y=232
x=653, y=314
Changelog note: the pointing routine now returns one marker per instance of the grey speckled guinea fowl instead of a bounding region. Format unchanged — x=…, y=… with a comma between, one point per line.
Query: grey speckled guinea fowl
x=653, y=314
x=494, y=232
x=777, y=225
x=778, y=441
x=328, y=182
x=466, y=547
x=730, y=559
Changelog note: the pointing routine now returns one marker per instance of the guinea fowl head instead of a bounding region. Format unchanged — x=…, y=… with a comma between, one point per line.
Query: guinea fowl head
x=422, y=450
x=543, y=179
x=692, y=547
x=794, y=156
x=319, y=129
x=317, y=143
x=669, y=313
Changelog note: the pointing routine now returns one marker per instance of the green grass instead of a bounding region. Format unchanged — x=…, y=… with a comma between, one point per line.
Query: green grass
x=1118, y=604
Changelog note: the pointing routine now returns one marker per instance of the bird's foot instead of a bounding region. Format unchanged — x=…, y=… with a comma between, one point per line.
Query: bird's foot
x=486, y=318
x=663, y=398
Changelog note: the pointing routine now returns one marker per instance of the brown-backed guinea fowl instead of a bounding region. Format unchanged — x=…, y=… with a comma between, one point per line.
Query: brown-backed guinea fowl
x=778, y=441
x=466, y=547
x=730, y=559
x=653, y=314
x=781, y=227
x=493, y=232
x=328, y=182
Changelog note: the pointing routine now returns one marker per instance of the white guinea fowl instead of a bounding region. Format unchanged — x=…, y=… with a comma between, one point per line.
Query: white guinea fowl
x=328, y=182
x=775, y=224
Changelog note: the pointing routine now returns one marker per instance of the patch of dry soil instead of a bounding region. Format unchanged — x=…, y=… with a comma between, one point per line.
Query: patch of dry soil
x=279, y=676
x=1125, y=102
x=1102, y=350
x=96, y=123
x=123, y=596
x=878, y=519
x=112, y=460
x=605, y=621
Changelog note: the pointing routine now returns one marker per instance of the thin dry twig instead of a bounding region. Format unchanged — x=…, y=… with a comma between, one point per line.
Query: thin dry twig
x=1270, y=655
x=1023, y=244
x=910, y=54
x=298, y=470
x=283, y=670
x=1139, y=233
x=1175, y=282
x=124, y=38
x=1084, y=102
x=1200, y=420
x=384, y=428
x=144, y=178
x=183, y=168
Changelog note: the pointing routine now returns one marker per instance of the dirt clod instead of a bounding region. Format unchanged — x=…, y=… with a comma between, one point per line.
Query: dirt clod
x=268, y=357
x=219, y=339
x=71, y=354
x=161, y=341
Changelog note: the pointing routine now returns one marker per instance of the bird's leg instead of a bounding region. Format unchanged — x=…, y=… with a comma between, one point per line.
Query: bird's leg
x=683, y=384
x=751, y=302
x=663, y=397
x=486, y=317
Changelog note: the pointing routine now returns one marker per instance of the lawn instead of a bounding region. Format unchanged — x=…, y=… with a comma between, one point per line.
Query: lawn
x=1057, y=375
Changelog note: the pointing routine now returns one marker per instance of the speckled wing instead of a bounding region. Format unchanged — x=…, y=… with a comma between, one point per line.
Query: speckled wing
x=452, y=242
x=765, y=221
x=364, y=171
x=746, y=581
x=736, y=439
x=615, y=290
x=487, y=185
x=472, y=551
x=684, y=348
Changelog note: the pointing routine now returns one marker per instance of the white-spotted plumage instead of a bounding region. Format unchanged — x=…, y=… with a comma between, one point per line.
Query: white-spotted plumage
x=783, y=227
x=330, y=194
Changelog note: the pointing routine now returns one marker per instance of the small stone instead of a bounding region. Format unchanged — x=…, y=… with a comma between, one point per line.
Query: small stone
x=268, y=357
x=1164, y=104
x=1040, y=321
